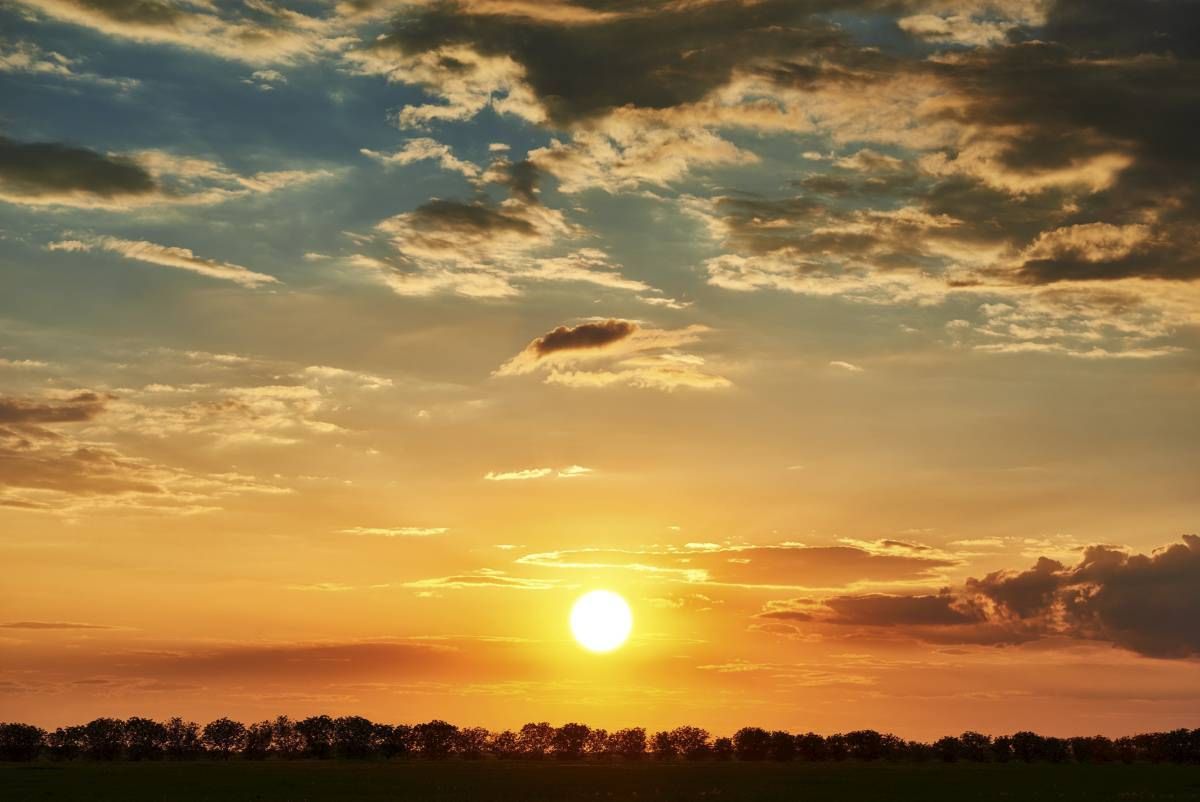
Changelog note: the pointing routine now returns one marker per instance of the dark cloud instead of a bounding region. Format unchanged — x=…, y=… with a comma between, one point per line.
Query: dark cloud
x=1147, y=603
x=140, y=12
x=885, y=610
x=471, y=218
x=80, y=407
x=1119, y=88
x=652, y=55
x=585, y=335
x=1023, y=594
x=51, y=169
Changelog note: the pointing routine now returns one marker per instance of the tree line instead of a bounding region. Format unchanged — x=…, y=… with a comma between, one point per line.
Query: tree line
x=324, y=737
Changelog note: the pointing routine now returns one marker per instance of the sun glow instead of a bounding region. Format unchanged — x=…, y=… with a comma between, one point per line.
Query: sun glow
x=601, y=620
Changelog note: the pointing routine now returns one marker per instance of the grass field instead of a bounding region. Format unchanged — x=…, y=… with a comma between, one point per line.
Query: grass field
x=550, y=781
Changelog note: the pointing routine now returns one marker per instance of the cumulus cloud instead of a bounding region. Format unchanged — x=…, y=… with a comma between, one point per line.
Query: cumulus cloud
x=616, y=352
x=1146, y=603
x=168, y=256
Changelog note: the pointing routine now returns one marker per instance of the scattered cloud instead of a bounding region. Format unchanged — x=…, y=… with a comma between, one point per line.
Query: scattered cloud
x=483, y=578
x=57, y=174
x=616, y=352
x=398, y=531
x=168, y=256
x=423, y=149
x=525, y=474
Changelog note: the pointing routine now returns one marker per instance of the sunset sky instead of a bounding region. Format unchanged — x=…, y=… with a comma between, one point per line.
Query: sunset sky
x=343, y=345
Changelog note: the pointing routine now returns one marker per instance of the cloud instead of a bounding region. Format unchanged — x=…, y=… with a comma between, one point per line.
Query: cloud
x=399, y=531
x=784, y=565
x=1146, y=603
x=882, y=610
x=525, y=474
x=168, y=256
x=256, y=33
x=57, y=174
x=422, y=149
x=484, y=578
x=612, y=352
x=50, y=625
x=44, y=468
x=53, y=173
x=76, y=407
x=581, y=69
x=27, y=58
x=849, y=367
x=483, y=249
x=585, y=335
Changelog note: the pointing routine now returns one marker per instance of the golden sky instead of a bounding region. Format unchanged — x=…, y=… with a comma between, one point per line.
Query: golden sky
x=343, y=346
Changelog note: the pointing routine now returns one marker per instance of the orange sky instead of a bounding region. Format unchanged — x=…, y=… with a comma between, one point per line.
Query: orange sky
x=339, y=354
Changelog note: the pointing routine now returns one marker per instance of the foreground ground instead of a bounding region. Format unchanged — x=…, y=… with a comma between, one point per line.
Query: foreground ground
x=550, y=782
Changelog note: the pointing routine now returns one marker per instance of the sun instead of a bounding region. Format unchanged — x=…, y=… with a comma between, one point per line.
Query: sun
x=601, y=620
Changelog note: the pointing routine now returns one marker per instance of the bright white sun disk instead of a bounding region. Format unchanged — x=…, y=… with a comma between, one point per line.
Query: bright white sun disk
x=601, y=621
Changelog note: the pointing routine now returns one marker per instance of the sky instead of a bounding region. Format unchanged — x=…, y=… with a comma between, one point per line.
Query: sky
x=343, y=345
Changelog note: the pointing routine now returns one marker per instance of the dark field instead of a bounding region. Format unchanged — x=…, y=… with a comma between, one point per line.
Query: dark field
x=535, y=782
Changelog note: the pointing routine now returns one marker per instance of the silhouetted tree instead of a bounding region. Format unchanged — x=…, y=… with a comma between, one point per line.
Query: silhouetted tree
x=352, y=736
x=810, y=746
x=472, y=742
x=836, y=747
x=224, y=736
x=20, y=741
x=569, y=741
x=182, y=740
x=661, y=746
x=781, y=746
x=356, y=737
x=1127, y=750
x=872, y=745
x=919, y=752
x=66, y=743
x=144, y=739
x=629, y=743
x=692, y=743
x=975, y=746
x=598, y=743
x=751, y=743
x=435, y=739
x=1028, y=746
x=506, y=745
x=259, y=740
x=949, y=749
x=318, y=733
x=1096, y=749
x=104, y=738
x=385, y=742
x=286, y=740
x=723, y=748
x=536, y=740
x=1002, y=749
